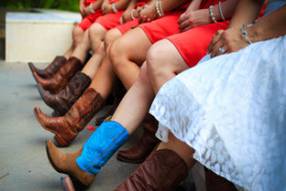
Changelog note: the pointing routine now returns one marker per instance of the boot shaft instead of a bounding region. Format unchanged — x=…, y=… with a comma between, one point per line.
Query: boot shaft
x=163, y=170
x=84, y=109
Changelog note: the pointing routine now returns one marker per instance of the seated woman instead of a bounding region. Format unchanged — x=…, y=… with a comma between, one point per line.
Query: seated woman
x=90, y=11
x=68, y=126
x=112, y=10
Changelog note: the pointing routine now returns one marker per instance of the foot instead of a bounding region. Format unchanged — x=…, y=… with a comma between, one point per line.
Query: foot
x=63, y=131
x=66, y=163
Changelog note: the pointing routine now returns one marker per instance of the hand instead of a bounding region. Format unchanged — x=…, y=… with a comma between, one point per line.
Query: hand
x=106, y=7
x=226, y=41
x=127, y=15
x=89, y=9
x=82, y=9
x=195, y=18
x=147, y=14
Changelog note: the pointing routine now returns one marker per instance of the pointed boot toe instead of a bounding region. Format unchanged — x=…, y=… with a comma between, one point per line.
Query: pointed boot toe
x=33, y=69
x=66, y=163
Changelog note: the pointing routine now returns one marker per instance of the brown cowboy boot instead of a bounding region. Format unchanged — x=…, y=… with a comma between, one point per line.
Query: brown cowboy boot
x=66, y=128
x=216, y=183
x=66, y=163
x=148, y=141
x=62, y=101
x=51, y=69
x=62, y=77
x=163, y=170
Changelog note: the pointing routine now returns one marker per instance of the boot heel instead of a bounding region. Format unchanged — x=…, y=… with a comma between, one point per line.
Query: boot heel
x=61, y=142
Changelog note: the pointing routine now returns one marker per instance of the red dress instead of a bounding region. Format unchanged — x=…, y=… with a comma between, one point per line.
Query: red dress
x=89, y=19
x=192, y=44
x=112, y=20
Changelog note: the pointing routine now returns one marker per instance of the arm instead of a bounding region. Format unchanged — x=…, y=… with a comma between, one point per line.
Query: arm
x=120, y=5
x=194, y=16
x=231, y=39
x=130, y=10
x=270, y=26
x=149, y=12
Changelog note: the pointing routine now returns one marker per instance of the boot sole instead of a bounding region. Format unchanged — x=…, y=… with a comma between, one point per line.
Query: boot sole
x=125, y=160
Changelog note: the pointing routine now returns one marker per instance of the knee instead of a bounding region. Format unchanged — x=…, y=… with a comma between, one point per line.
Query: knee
x=156, y=59
x=118, y=53
x=110, y=37
x=77, y=33
x=96, y=32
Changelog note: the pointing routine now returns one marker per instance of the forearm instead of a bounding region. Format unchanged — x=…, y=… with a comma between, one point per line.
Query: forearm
x=121, y=4
x=270, y=26
x=132, y=4
x=246, y=12
x=227, y=7
x=97, y=4
x=169, y=5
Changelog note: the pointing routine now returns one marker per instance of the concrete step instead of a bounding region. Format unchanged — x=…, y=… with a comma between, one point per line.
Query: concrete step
x=38, y=36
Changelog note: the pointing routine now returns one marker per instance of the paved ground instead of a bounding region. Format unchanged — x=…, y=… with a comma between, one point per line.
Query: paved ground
x=23, y=161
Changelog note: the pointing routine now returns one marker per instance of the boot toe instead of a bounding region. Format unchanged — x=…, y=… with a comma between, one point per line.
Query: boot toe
x=56, y=158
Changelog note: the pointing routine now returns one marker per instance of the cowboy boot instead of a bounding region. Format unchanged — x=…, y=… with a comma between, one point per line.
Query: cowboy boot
x=67, y=127
x=148, y=141
x=163, y=170
x=62, y=101
x=217, y=183
x=62, y=77
x=83, y=166
x=66, y=163
x=51, y=69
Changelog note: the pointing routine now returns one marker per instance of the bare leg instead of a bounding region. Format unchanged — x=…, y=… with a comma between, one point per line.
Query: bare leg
x=104, y=78
x=181, y=148
x=100, y=44
x=136, y=102
x=77, y=35
x=81, y=49
x=127, y=55
x=164, y=62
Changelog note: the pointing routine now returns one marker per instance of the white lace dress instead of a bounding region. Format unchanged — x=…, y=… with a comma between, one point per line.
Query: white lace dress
x=232, y=111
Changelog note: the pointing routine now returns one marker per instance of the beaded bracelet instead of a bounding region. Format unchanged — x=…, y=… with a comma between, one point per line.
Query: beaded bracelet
x=244, y=33
x=211, y=12
x=114, y=9
x=159, y=9
x=220, y=11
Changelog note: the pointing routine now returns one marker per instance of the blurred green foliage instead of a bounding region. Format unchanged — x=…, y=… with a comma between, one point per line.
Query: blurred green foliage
x=71, y=5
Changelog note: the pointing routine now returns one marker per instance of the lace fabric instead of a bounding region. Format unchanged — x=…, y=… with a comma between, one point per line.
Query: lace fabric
x=232, y=111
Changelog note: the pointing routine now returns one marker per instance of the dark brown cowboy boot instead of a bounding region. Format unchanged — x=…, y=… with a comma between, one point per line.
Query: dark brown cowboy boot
x=148, y=141
x=51, y=69
x=59, y=80
x=163, y=170
x=217, y=183
x=66, y=163
x=62, y=101
x=66, y=128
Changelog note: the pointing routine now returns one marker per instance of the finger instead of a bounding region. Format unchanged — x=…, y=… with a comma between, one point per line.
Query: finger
x=186, y=29
x=215, y=39
x=185, y=24
x=182, y=18
x=216, y=49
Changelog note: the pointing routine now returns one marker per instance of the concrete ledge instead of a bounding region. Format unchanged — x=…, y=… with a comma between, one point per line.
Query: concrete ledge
x=38, y=37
